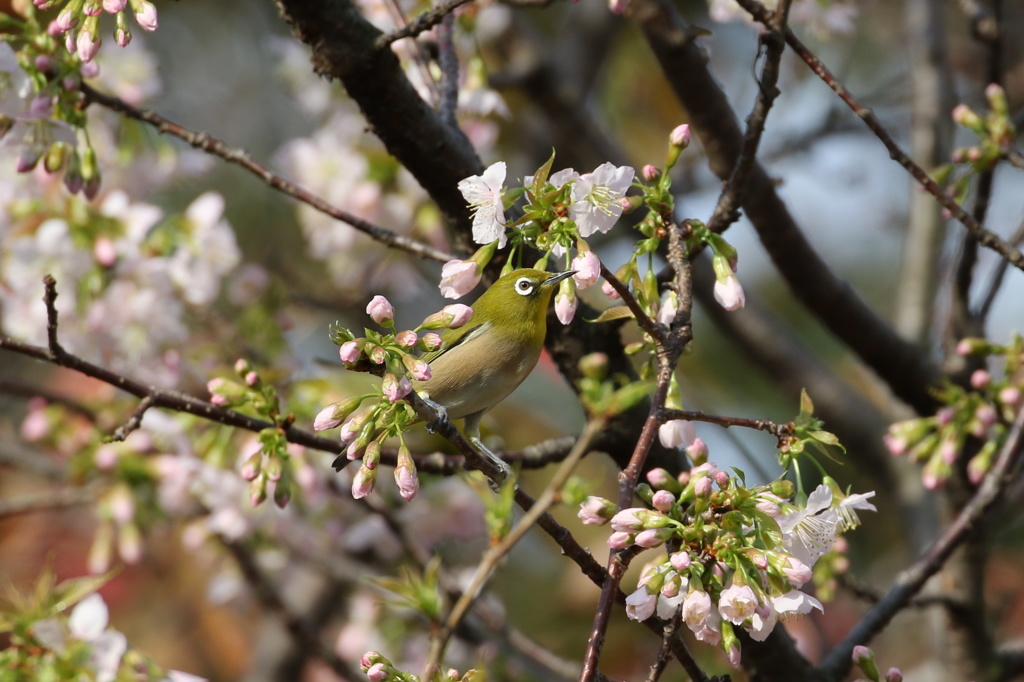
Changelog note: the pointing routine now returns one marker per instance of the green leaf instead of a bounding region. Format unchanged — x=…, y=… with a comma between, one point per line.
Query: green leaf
x=806, y=406
x=628, y=396
x=619, y=312
x=540, y=178
x=71, y=591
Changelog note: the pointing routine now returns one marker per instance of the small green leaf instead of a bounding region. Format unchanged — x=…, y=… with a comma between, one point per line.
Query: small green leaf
x=540, y=178
x=619, y=312
x=806, y=406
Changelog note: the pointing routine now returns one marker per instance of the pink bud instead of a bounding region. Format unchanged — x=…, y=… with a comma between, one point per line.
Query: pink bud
x=680, y=561
x=680, y=136
x=380, y=310
x=325, y=419
x=651, y=537
x=659, y=478
x=349, y=352
x=663, y=501
x=104, y=252
x=565, y=307
x=407, y=481
x=620, y=540
x=406, y=339
x=618, y=6
x=114, y=6
x=698, y=451
x=702, y=486
x=458, y=314
x=88, y=45
x=431, y=341
x=1009, y=396
x=145, y=14
x=362, y=485
x=729, y=293
x=980, y=378
x=650, y=173
x=609, y=291
x=396, y=388
x=676, y=432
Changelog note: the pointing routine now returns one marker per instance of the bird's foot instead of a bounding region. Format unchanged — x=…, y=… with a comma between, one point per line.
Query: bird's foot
x=504, y=472
x=442, y=416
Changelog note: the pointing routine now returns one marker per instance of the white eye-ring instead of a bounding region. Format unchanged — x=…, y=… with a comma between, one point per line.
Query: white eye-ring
x=524, y=286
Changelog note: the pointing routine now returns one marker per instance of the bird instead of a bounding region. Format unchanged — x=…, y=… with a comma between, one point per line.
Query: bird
x=480, y=363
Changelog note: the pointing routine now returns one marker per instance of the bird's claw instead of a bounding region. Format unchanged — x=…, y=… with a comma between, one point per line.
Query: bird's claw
x=504, y=472
x=441, y=421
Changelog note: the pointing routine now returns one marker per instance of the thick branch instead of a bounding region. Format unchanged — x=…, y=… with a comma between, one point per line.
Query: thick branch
x=344, y=47
x=898, y=363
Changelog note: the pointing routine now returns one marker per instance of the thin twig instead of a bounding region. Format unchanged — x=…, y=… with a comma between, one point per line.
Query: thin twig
x=423, y=22
x=211, y=145
x=729, y=201
x=997, y=278
x=910, y=581
x=665, y=651
x=448, y=61
x=985, y=237
x=655, y=329
x=135, y=421
x=778, y=430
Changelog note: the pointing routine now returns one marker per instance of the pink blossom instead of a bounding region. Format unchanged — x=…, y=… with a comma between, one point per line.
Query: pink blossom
x=484, y=194
x=676, y=432
x=650, y=173
x=737, y=603
x=696, y=609
x=1009, y=396
x=697, y=451
x=641, y=604
x=588, y=269
x=380, y=310
x=729, y=293
x=114, y=6
x=596, y=197
x=458, y=278
x=104, y=252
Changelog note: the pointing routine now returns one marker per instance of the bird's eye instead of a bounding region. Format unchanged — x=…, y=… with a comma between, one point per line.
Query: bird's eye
x=524, y=287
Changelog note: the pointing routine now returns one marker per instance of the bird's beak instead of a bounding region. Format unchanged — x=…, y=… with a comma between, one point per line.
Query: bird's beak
x=558, y=277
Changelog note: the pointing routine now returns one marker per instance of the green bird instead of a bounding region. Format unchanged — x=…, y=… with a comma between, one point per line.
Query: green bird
x=479, y=364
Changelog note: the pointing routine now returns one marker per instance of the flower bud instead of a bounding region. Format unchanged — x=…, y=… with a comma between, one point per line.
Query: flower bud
x=405, y=474
x=396, y=388
x=650, y=173
x=362, y=483
x=350, y=351
x=145, y=14
x=417, y=367
x=588, y=269
x=965, y=116
x=251, y=468
x=596, y=511
x=430, y=342
x=663, y=501
x=381, y=311
x=406, y=339
x=680, y=561
x=864, y=659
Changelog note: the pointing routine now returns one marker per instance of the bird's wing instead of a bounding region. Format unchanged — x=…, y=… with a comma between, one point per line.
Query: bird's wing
x=456, y=337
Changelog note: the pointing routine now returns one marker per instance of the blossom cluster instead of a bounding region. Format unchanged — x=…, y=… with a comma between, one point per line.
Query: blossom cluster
x=972, y=422
x=736, y=556
x=364, y=429
x=79, y=645
x=78, y=21
x=129, y=276
x=562, y=209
